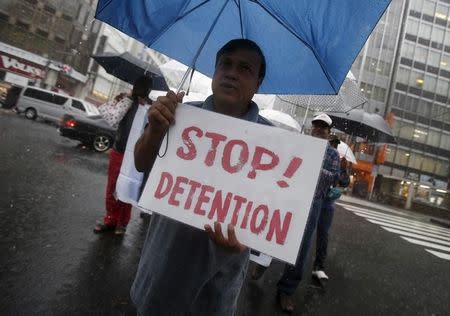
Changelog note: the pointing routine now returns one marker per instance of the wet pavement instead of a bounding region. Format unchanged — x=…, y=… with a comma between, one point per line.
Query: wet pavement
x=51, y=194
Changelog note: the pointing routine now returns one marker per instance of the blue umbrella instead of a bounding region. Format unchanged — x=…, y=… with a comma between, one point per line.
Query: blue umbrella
x=309, y=45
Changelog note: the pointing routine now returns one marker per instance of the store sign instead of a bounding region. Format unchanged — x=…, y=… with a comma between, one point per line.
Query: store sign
x=20, y=66
x=16, y=79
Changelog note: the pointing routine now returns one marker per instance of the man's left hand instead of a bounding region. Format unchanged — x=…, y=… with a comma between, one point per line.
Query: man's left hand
x=231, y=244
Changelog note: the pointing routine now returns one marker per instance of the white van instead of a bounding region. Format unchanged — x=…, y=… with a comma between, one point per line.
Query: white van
x=51, y=105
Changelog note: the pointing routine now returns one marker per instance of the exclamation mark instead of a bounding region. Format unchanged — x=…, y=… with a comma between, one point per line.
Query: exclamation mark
x=291, y=169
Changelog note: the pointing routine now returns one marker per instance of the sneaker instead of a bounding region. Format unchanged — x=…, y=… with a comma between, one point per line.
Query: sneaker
x=120, y=230
x=285, y=302
x=320, y=274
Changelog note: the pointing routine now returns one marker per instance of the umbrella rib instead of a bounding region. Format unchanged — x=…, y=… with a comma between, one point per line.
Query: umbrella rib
x=238, y=4
x=104, y=6
x=303, y=41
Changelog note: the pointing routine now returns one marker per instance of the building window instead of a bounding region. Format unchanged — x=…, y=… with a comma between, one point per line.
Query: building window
x=403, y=75
x=430, y=83
x=442, y=168
x=420, y=54
x=442, y=87
x=433, y=59
x=445, y=141
x=415, y=161
x=412, y=27
x=425, y=31
x=433, y=138
x=416, y=79
x=429, y=7
x=401, y=157
x=428, y=164
x=408, y=50
x=437, y=35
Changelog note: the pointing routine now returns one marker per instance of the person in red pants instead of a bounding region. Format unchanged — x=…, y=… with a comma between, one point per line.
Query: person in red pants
x=117, y=212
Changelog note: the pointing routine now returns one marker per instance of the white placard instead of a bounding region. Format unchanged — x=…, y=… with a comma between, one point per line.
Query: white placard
x=217, y=168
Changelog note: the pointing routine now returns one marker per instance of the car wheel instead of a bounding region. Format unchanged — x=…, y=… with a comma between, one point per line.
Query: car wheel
x=102, y=143
x=30, y=114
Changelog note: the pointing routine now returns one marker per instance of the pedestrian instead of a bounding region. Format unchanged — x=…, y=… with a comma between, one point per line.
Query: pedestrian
x=286, y=286
x=326, y=218
x=117, y=212
x=184, y=270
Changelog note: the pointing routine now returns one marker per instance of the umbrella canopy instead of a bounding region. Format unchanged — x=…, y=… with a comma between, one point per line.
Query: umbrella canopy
x=281, y=119
x=345, y=152
x=370, y=126
x=348, y=98
x=309, y=45
x=128, y=68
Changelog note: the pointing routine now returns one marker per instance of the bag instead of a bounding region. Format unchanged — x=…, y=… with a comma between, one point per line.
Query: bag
x=113, y=111
x=334, y=193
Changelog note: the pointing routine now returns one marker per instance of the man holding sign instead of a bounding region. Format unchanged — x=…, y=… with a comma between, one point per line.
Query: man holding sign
x=183, y=269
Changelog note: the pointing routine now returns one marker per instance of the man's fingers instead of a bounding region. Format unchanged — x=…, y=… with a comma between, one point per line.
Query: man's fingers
x=210, y=233
x=232, y=239
x=180, y=97
x=219, y=235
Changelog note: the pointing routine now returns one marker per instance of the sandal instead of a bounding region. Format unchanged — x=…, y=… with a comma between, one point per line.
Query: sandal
x=285, y=302
x=120, y=230
x=103, y=228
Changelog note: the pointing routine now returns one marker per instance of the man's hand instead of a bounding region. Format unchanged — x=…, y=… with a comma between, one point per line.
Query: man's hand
x=162, y=112
x=160, y=116
x=231, y=244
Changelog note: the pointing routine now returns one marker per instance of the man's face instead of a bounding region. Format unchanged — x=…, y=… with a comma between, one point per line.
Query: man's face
x=320, y=130
x=236, y=78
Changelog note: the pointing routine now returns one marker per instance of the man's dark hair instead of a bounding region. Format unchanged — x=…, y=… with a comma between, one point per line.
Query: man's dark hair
x=242, y=43
x=142, y=87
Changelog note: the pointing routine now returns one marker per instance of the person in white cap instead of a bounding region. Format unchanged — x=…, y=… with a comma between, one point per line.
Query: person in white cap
x=321, y=127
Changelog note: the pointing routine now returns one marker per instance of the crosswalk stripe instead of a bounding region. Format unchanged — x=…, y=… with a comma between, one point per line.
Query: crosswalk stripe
x=396, y=219
x=439, y=254
x=435, y=240
x=426, y=244
x=407, y=229
x=410, y=230
x=403, y=225
x=400, y=218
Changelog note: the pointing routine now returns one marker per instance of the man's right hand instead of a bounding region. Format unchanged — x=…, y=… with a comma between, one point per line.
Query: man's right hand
x=162, y=112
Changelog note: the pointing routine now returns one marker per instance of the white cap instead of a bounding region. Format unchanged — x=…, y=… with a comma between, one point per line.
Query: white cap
x=324, y=118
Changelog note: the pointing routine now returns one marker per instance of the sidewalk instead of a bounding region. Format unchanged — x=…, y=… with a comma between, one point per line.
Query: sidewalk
x=344, y=199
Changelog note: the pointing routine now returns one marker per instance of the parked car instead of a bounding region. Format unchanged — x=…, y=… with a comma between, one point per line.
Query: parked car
x=36, y=102
x=92, y=131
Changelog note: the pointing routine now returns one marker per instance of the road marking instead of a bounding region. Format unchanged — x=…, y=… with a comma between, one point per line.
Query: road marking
x=412, y=231
x=435, y=240
x=401, y=224
x=401, y=220
x=439, y=254
x=407, y=229
x=426, y=244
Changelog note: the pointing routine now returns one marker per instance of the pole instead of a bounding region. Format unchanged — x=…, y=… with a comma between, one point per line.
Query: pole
x=306, y=114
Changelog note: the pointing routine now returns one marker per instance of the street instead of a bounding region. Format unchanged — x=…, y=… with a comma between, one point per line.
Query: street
x=52, y=193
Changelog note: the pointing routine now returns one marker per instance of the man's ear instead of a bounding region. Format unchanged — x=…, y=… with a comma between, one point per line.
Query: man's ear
x=260, y=80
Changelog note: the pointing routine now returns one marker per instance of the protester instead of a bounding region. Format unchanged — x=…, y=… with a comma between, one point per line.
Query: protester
x=321, y=126
x=184, y=270
x=326, y=218
x=117, y=212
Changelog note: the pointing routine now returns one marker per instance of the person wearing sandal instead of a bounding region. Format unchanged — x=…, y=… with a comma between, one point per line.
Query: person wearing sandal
x=118, y=213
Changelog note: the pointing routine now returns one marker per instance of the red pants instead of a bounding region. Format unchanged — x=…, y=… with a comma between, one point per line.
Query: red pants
x=117, y=212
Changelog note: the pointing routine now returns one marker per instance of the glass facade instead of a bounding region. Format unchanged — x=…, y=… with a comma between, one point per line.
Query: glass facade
x=420, y=98
x=404, y=70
